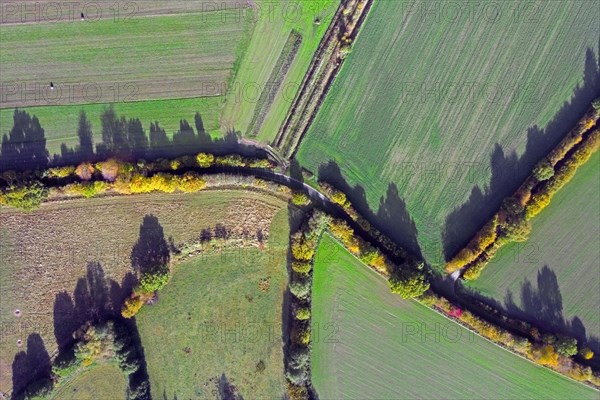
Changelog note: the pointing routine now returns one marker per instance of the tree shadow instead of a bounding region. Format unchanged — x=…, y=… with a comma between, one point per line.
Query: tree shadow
x=24, y=147
x=151, y=252
x=392, y=218
x=542, y=305
x=508, y=171
x=226, y=390
x=31, y=370
x=95, y=299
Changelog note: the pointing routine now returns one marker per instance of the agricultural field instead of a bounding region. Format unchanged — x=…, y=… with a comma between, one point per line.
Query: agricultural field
x=70, y=246
x=184, y=66
x=553, y=278
x=275, y=20
x=363, y=336
x=104, y=382
x=436, y=118
x=219, y=322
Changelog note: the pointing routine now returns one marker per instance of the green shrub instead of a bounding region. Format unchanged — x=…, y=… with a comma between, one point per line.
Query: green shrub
x=301, y=267
x=150, y=283
x=27, y=196
x=260, y=163
x=566, y=346
x=300, y=289
x=543, y=170
x=302, y=314
x=205, y=160
x=299, y=357
x=300, y=199
x=408, y=284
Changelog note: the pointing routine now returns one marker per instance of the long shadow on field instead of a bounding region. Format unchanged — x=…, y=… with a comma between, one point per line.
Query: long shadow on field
x=24, y=147
x=542, y=305
x=392, y=218
x=508, y=171
x=95, y=299
x=31, y=370
x=151, y=252
x=226, y=390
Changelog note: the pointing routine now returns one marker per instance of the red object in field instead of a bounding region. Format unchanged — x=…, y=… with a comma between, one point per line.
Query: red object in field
x=456, y=312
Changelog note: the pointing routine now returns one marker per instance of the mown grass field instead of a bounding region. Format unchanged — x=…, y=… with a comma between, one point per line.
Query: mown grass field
x=157, y=68
x=564, y=239
x=48, y=250
x=275, y=21
x=429, y=103
x=215, y=323
x=373, y=344
x=60, y=122
x=101, y=382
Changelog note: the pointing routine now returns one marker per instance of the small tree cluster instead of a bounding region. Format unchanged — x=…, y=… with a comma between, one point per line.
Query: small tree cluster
x=26, y=196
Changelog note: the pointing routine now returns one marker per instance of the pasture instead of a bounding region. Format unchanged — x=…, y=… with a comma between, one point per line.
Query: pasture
x=275, y=20
x=154, y=67
x=219, y=322
x=369, y=343
x=105, y=381
x=60, y=122
x=436, y=118
x=552, y=278
x=86, y=249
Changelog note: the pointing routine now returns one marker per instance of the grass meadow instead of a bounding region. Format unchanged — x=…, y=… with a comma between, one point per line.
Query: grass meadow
x=49, y=250
x=60, y=122
x=373, y=344
x=553, y=278
x=156, y=68
x=261, y=56
x=220, y=320
x=449, y=109
x=104, y=381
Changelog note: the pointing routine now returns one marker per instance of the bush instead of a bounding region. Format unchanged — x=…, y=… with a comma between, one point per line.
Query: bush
x=484, y=238
x=297, y=376
x=300, y=289
x=232, y=160
x=261, y=163
x=566, y=346
x=408, y=284
x=84, y=171
x=132, y=306
x=299, y=357
x=302, y=314
x=109, y=169
x=300, y=199
x=205, y=160
x=86, y=189
x=302, y=249
x=297, y=392
x=151, y=283
x=27, y=196
x=301, y=267
x=543, y=170
x=190, y=182
x=545, y=355
x=301, y=336
x=60, y=172
x=586, y=353
x=536, y=204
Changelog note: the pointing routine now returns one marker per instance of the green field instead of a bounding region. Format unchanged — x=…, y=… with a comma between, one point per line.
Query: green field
x=564, y=239
x=60, y=122
x=47, y=251
x=261, y=57
x=214, y=308
x=373, y=344
x=183, y=66
x=423, y=103
x=101, y=382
